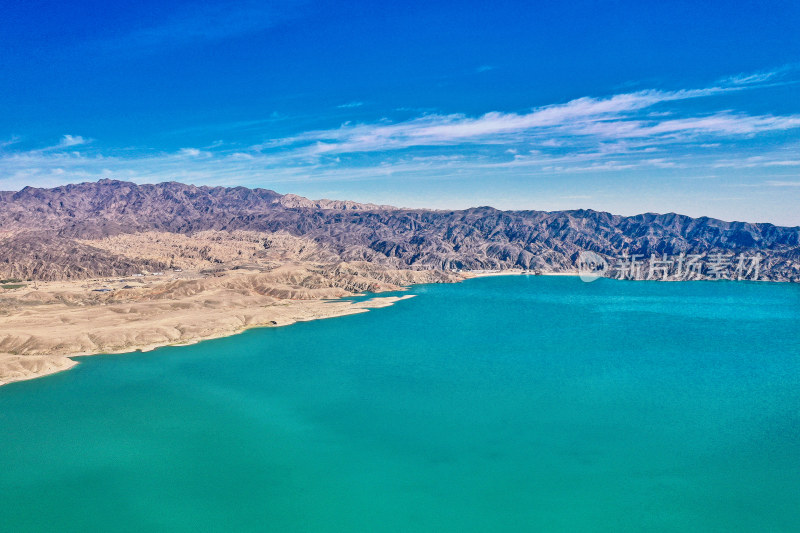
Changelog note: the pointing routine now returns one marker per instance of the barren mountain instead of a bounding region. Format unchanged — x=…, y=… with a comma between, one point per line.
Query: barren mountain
x=119, y=228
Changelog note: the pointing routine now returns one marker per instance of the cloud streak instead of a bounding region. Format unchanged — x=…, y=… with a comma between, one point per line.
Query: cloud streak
x=202, y=23
x=639, y=132
x=618, y=117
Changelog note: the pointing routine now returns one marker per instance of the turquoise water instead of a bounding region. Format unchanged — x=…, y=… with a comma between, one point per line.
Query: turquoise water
x=499, y=404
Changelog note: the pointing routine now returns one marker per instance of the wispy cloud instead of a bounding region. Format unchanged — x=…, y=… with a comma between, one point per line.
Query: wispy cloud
x=756, y=78
x=773, y=159
x=747, y=79
x=350, y=105
x=14, y=139
x=642, y=132
x=778, y=183
x=66, y=141
x=202, y=22
x=193, y=152
x=622, y=116
x=71, y=140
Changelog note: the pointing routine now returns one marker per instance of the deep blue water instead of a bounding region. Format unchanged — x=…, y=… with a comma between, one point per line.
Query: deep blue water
x=498, y=404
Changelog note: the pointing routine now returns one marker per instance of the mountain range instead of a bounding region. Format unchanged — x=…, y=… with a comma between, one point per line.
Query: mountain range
x=88, y=230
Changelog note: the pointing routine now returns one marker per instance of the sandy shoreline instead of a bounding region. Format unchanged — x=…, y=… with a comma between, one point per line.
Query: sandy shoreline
x=517, y=272
x=40, y=330
x=23, y=367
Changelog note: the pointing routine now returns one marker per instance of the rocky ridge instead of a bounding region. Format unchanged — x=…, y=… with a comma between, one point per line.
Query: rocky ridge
x=64, y=233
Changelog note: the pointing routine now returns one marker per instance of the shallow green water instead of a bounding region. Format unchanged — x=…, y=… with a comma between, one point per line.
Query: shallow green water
x=498, y=404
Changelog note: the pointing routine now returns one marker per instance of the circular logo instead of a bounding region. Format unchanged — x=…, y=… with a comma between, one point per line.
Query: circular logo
x=591, y=266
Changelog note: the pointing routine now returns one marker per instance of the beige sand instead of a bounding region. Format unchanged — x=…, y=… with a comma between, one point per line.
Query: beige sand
x=40, y=329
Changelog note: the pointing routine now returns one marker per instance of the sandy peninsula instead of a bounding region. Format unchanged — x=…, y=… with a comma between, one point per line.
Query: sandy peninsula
x=42, y=326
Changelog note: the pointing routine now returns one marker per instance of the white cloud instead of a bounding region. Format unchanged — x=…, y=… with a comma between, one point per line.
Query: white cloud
x=756, y=78
x=193, y=152
x=746, y=79
x=647, y=132
x=771, y=160
x=778, y=183
x=616, y=117
x=71, y=140
x=8, y=142
x=66, y=141
x=787, y=163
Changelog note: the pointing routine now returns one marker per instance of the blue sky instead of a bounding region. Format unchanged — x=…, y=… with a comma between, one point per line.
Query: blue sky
x=628, y=107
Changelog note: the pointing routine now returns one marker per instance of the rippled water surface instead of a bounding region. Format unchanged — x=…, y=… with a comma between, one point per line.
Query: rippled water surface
x=498, y=404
